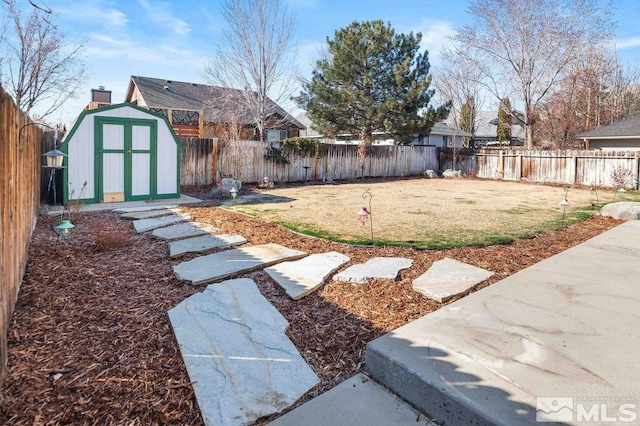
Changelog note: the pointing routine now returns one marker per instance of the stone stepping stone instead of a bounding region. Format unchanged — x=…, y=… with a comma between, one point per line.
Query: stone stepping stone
x=448, y=278
x=184, y=230
x=377, y=267
x=237, y=354
x=143, y=225
x=300, y=278
x=356, y=401
x=144, y=209
x=149, y=214
x=204, y=243
x=217, y=266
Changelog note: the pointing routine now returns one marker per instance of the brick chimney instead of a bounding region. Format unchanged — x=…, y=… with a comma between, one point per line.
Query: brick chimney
x=100, y=95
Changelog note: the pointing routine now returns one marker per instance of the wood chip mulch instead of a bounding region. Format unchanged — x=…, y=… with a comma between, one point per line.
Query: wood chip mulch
x=91, y=343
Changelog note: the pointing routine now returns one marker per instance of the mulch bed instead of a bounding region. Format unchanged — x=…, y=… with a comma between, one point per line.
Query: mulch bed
x=91, y=342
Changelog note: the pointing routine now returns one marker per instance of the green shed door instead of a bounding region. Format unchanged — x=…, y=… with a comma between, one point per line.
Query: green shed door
x=125, y=157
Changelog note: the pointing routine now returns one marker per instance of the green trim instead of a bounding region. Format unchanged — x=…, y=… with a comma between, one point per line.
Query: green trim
x=98, y=167
x=127, y=127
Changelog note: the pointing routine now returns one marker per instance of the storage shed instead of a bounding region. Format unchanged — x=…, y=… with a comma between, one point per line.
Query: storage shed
x=121, y=153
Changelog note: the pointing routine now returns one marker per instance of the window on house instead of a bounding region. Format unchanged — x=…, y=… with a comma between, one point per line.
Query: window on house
x=276, y=135
x=446, y=141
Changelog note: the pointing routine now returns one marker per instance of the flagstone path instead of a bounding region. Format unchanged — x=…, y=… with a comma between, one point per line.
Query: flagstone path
x=233, y=342
x=239, y=359
x=377, y=267
x=221, y=265
x=448, y=278
x=144, y=225
x=184, y=230
x=204, y=243
x=149, y=213
x=300, y=278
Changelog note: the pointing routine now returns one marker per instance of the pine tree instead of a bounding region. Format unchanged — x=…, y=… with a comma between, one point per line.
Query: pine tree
x=372, y=80
x=505, y=120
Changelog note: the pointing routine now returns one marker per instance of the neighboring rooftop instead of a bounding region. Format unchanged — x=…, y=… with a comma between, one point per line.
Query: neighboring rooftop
x=628, y=128
x=213, y=101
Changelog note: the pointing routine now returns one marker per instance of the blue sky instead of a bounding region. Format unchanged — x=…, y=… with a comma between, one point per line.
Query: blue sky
x=174, y=39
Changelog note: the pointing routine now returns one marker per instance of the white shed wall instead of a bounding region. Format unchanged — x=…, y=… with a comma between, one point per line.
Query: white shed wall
x=167, y=164
x=81, y=163
x=81, y=169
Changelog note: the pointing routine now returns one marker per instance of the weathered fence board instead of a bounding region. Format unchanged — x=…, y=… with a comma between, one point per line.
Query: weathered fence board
x=20, y=159
x=560, y=167
x=195, y=167
x=244, y=160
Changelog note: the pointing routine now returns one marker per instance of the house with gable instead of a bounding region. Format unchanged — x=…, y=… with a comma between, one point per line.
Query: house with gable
x=203, y=111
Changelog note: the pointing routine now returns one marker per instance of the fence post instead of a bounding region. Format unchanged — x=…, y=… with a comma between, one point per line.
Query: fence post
x=214, y=161
x=573, y=169
x=636, y=171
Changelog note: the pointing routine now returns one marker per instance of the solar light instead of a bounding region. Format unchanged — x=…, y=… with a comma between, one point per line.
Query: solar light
x=64, y=229
x=365, y=214
x=564, y=205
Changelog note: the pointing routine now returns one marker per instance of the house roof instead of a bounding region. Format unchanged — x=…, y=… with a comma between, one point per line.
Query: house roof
x=444, y=129
x=438, y=128
x=628, y=128
x=487, y=125
x=214, y=101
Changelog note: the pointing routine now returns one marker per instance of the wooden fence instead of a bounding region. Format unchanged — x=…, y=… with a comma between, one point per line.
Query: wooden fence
x=560, y=167
x=20, y=160
x=207, y=160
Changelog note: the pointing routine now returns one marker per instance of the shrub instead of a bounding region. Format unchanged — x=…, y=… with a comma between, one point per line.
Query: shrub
x=109, y=235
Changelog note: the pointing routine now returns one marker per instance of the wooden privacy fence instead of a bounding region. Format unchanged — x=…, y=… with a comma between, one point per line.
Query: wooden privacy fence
x=561, y=166
x=207, y=160
x=20, y=159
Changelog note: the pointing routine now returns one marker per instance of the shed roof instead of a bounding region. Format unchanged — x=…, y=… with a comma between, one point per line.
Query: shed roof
x=214, y=101
x=628, y=128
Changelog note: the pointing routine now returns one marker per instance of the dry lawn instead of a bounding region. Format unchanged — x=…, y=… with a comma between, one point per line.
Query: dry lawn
x=426, y=212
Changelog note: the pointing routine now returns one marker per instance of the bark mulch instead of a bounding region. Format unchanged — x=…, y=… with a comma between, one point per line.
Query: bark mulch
x=91, y=343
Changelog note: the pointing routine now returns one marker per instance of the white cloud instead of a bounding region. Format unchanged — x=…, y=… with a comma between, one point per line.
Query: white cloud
x=628, y=43
x=160, y=14
x=116, y=17
x=307, y=55
x=303, y=3
x=435, y=36
x=94, y=14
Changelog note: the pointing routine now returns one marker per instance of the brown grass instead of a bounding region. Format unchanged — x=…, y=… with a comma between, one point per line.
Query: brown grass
x=426, y=212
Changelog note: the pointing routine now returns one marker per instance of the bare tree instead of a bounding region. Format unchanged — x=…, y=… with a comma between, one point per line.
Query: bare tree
x=523, y=48
x=254, y=56
x=597, y=91
x=42, y=69
x=457, y=81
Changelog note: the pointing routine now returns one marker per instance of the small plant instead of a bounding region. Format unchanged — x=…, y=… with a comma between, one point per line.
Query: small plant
x=109, y=235
x=75, y=203
x=621, y=177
